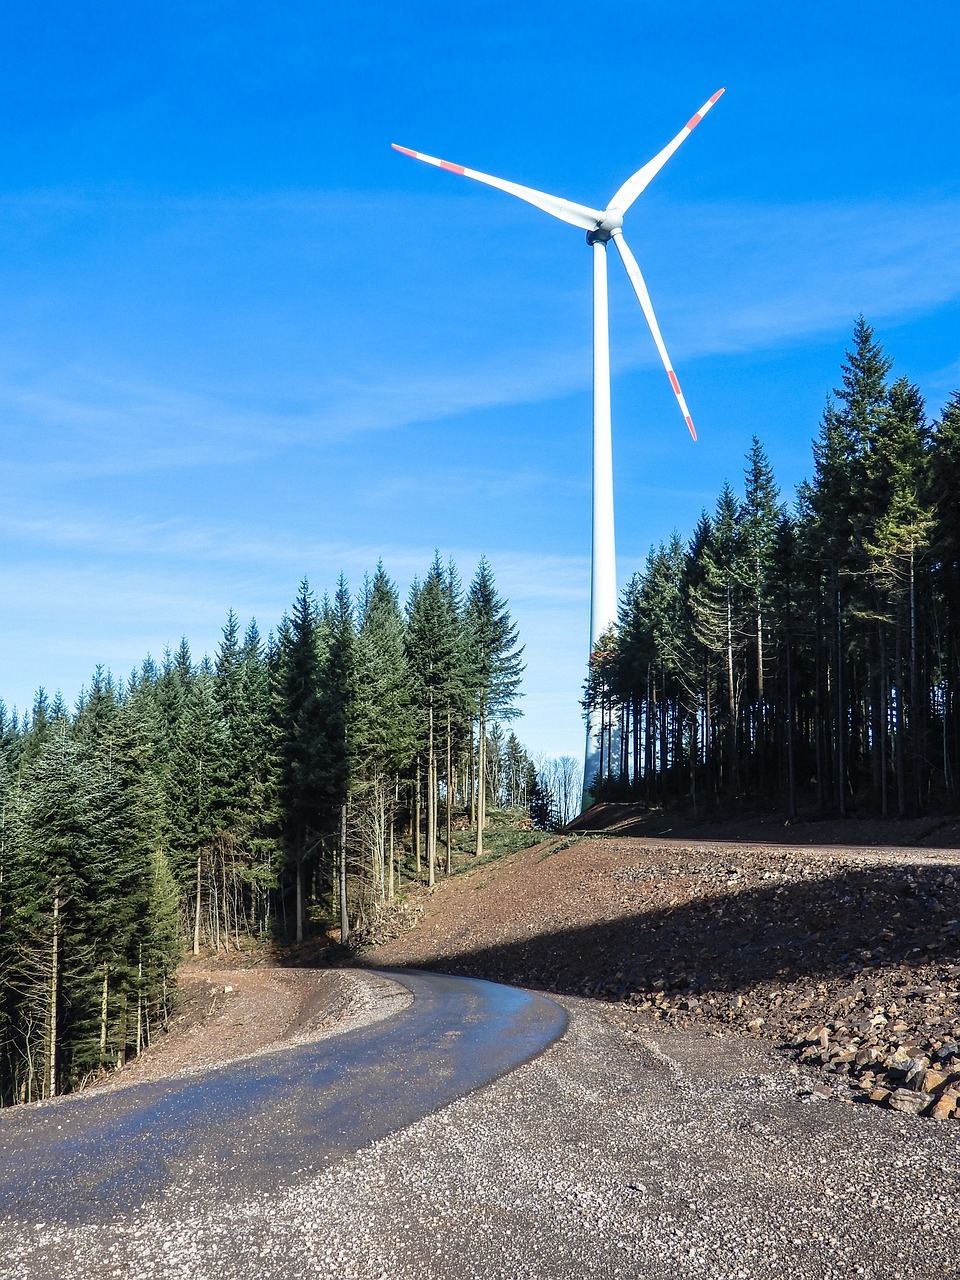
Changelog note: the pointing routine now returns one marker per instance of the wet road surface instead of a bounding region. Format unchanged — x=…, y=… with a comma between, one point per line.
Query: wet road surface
x=267, y=1122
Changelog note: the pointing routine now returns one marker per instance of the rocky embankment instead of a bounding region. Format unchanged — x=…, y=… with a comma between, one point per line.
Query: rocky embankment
x=848, y=959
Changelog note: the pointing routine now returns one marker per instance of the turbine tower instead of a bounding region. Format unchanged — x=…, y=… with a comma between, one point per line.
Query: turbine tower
x=601, y=227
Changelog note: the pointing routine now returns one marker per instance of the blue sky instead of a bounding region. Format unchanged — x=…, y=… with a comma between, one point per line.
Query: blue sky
x=243, y=341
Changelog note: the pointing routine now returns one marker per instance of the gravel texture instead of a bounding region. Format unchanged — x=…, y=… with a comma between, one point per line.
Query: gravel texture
x=661, y=1152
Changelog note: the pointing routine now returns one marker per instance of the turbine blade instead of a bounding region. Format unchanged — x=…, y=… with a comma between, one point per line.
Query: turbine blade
x=578, y=215
x=625, y=197
x=643, y=297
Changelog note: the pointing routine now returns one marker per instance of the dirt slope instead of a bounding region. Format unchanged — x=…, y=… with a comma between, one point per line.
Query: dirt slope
x=230, y=1012
x=848, y=957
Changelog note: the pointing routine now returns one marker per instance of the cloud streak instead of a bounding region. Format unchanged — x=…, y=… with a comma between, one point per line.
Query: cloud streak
x=726, y=279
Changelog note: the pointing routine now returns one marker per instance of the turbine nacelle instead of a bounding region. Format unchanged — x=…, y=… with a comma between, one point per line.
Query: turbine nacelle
x=610, y=223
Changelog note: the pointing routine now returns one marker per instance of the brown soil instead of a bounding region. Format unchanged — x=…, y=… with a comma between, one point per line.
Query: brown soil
x=848, y=957
x=226, y=1010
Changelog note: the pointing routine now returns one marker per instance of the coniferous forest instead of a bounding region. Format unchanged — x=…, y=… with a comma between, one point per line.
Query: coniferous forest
x=804, y=659
x=292, y=781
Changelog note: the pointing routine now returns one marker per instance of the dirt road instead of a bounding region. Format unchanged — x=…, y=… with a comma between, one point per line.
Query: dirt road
x=662, y=1135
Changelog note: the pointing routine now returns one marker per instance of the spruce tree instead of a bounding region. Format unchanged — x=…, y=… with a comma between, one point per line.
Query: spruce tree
x=760, y=518
x=385, y=739
x=945, y=486
x=434, y=656
x=497, y=668
x=54, y=978
x=305, y=788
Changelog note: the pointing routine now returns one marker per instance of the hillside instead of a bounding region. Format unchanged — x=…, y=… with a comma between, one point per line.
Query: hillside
x=848, y=958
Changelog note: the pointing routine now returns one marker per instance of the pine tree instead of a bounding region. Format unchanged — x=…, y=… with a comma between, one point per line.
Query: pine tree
x=434, y=656
x=497, y=668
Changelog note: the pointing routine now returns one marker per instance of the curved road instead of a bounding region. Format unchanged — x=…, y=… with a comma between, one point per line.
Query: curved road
x=266, y=1122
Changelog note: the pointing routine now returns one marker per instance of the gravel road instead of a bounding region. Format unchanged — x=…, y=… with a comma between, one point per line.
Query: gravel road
x=681, y=1153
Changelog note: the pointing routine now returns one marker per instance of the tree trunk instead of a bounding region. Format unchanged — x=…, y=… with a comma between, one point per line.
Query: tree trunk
x=693, y=761
x=473, y=782
x=300, y=904
x=196, y=916
x=760, y=747
x=226, y=898
x=708, y=735
x=841, y=708
x=818, y=717
x=344, y=917
x=481, y=780
x=449, y=797
x=898, y=742
x=391, y=880
x=636, y=741
x=431, y=802
x=601, y=741
x=732, y=703
x=140, y=1001
x=54, y=994
x=916, y=735
x=103, y=1013
x=884, y=724
x=791, y=763
x=650, y=743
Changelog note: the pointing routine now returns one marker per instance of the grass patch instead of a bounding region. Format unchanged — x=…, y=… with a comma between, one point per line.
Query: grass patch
x=501, y=838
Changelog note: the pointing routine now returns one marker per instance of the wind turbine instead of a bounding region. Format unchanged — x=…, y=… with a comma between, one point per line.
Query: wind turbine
x=601, y=227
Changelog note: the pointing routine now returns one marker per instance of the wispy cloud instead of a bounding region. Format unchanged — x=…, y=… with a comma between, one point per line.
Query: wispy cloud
x=447, y=339
x=130, y=587
x=550, y=579
x=756, y=277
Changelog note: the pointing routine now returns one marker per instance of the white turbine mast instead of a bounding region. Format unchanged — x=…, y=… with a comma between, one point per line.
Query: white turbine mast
x=601, y=226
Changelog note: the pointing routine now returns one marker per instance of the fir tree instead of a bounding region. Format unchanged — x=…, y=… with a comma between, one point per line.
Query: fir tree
x=497, y=668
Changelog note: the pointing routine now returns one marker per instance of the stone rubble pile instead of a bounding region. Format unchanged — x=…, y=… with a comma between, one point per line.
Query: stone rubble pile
x=890, y=1040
